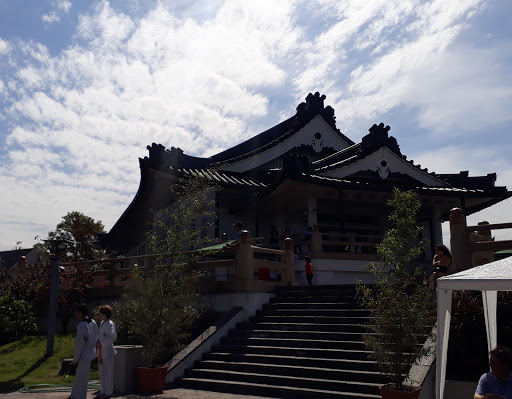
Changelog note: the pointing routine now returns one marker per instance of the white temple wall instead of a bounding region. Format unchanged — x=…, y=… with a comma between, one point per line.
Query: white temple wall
x=335, y=271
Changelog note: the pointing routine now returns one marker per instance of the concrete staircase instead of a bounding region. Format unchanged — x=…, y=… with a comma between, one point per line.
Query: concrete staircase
x=306, y=343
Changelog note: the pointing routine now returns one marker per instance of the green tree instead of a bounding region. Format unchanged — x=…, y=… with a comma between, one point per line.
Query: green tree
x=158, y=307
x=402, y=305
x=81, y=233
x=32, y=282
x=17, y=320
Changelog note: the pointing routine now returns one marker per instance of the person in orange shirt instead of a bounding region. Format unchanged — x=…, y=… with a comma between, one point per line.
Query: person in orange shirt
x=310, y=270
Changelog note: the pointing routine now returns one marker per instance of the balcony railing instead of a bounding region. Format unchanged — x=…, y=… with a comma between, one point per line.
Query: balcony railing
x=350, y=246
x=251, y=270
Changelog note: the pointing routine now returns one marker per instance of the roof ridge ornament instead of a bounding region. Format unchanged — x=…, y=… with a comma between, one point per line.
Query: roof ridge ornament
x=313, y=106
x=377, y=138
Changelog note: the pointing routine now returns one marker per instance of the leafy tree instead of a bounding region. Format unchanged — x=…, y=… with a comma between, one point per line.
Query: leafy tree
x=17, y=320
x=402, y=306
x=31, y=283
x=157, y=308
x=80, y=232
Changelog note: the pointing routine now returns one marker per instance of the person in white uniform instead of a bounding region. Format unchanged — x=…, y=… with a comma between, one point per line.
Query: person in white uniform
x=105, y=346
x=85, y=351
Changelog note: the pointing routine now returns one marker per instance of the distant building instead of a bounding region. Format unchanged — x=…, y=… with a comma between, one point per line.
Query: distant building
x=9, y=259
x=306, y=172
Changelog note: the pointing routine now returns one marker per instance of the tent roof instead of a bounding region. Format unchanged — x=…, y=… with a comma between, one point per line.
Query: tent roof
x=494, y=276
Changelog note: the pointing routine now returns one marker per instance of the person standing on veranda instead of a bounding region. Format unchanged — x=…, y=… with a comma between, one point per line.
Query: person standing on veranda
x=310, y=270
x=85, y=351
x=106, y=352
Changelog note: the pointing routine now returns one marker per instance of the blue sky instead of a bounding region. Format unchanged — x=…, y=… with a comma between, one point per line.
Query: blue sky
x=86, y=86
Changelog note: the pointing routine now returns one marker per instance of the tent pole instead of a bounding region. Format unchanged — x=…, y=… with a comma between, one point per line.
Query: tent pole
x=444, y=308
x=490, y=299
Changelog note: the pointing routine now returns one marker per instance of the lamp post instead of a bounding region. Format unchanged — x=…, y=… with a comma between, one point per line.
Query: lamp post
x=56, y=248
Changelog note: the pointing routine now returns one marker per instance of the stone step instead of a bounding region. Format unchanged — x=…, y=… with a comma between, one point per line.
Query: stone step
x=317, y=293
x=315, y=319
x=290, y=381
x=312, y=353
x=297, y=371
x=293, y=342
x=284, y=392
x=316, y=288
x=306, y=305
x=336, y=327
x=306, y=343
x=322, y=335
x=299, y=361
x=314, y=312
x=314, y=299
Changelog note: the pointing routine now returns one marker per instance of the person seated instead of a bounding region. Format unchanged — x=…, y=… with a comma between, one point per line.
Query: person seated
x=441, y=263
x=497, y=384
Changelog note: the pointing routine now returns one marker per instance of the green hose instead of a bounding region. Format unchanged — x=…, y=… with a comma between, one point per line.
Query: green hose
x=42, y=388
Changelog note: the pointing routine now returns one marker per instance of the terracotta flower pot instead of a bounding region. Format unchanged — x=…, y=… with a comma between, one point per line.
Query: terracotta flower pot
x=388, y=392
x=150, y=379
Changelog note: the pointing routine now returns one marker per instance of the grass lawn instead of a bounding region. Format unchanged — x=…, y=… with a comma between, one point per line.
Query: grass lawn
x=23, y=363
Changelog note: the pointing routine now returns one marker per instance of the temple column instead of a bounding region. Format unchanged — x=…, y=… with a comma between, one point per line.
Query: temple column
x=437, y=231
x=312, y=211
x=460, y=240
x=245, y=257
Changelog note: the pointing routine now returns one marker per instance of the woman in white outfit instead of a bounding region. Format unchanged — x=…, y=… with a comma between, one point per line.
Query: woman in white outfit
x=85, y=351
x=105, y=346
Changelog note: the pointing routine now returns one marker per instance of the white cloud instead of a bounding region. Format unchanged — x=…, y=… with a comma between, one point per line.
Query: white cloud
x=85, y=115
x=205, y=77
x=64, y=5
x=59, y=7
x=50, y=17
x=4, y=46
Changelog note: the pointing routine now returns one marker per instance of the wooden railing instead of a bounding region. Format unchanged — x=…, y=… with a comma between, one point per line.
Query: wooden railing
x=473, y=245
x=342, y=245
x=250, y=266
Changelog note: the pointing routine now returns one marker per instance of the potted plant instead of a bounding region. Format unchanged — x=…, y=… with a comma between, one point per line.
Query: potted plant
x=402, y=306
x=158, y=307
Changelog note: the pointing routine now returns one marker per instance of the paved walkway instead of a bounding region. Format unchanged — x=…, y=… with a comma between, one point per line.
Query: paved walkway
x=169, y=394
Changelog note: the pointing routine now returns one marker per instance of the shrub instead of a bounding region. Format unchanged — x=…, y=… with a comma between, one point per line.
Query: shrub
x=401, y=304
x=17, y=319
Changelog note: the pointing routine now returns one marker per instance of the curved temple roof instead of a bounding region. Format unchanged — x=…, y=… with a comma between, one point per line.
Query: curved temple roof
x=366, y=165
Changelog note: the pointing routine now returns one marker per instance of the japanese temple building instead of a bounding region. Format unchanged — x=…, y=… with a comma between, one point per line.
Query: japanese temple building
x=306, y=172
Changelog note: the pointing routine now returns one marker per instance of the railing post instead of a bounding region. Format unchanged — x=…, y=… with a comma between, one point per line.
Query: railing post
x=289, y=259
x=316, y=240
x=460, y=240
x=245, y=258
x=483, y=257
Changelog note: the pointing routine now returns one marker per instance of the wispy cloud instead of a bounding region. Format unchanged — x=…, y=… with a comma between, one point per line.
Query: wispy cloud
x=207, y=78
x=59, y=8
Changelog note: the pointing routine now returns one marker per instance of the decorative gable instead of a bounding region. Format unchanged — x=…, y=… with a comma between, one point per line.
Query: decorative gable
x=378, y=152
x=313, y=126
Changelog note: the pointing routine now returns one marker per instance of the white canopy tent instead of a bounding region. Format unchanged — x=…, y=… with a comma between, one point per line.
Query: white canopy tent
x=490, y=278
